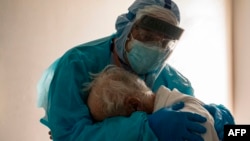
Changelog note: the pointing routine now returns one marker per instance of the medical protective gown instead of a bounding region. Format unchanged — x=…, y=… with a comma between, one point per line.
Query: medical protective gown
x=67, y=114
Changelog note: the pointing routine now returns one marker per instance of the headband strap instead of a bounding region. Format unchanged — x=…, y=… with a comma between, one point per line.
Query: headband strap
x=160, y=26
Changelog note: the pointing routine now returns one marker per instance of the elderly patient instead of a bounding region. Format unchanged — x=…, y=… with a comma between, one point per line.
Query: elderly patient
x=117, y=92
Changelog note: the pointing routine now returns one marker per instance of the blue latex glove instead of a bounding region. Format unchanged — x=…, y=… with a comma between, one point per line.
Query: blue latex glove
x=168, y=124
x=222, y=116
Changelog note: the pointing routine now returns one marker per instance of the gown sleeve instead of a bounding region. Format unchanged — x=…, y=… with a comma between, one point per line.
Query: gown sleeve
x=69, y=118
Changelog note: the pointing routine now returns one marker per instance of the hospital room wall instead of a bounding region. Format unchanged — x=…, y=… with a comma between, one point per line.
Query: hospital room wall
x=33, y=33
x=241, y=60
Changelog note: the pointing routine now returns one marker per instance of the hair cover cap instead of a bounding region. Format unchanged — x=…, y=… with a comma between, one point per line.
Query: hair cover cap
x=124, y=22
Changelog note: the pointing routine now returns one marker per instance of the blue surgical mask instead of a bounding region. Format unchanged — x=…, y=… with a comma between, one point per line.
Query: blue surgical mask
x=145, y=58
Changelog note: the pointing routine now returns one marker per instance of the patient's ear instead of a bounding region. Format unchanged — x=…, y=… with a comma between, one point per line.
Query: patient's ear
x=133, y=104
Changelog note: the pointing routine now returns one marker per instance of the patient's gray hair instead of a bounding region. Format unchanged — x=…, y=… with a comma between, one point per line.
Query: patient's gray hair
x=113, y=85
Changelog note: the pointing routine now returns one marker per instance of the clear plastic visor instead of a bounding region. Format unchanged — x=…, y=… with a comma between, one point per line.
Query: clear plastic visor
x=153, y=39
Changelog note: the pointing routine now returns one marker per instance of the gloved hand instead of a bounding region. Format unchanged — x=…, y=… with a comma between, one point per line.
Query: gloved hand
x=168, y=124
x=222, y=116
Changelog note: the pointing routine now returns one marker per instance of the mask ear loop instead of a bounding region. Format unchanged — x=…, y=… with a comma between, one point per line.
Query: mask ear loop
x=130, y=35
x=116, y=58
x=130, y=38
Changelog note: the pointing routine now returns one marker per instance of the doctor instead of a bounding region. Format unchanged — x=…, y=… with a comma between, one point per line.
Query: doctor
x=145, y=38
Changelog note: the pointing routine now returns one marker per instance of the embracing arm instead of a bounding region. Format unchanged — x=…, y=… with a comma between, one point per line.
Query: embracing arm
x=69, y=118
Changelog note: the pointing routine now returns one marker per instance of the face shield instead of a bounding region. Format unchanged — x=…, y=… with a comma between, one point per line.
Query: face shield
x=125, y=22
x=150, y=44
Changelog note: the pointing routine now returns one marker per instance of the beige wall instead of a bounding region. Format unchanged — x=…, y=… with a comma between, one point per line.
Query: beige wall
x=241, y=52
x=33, y=33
